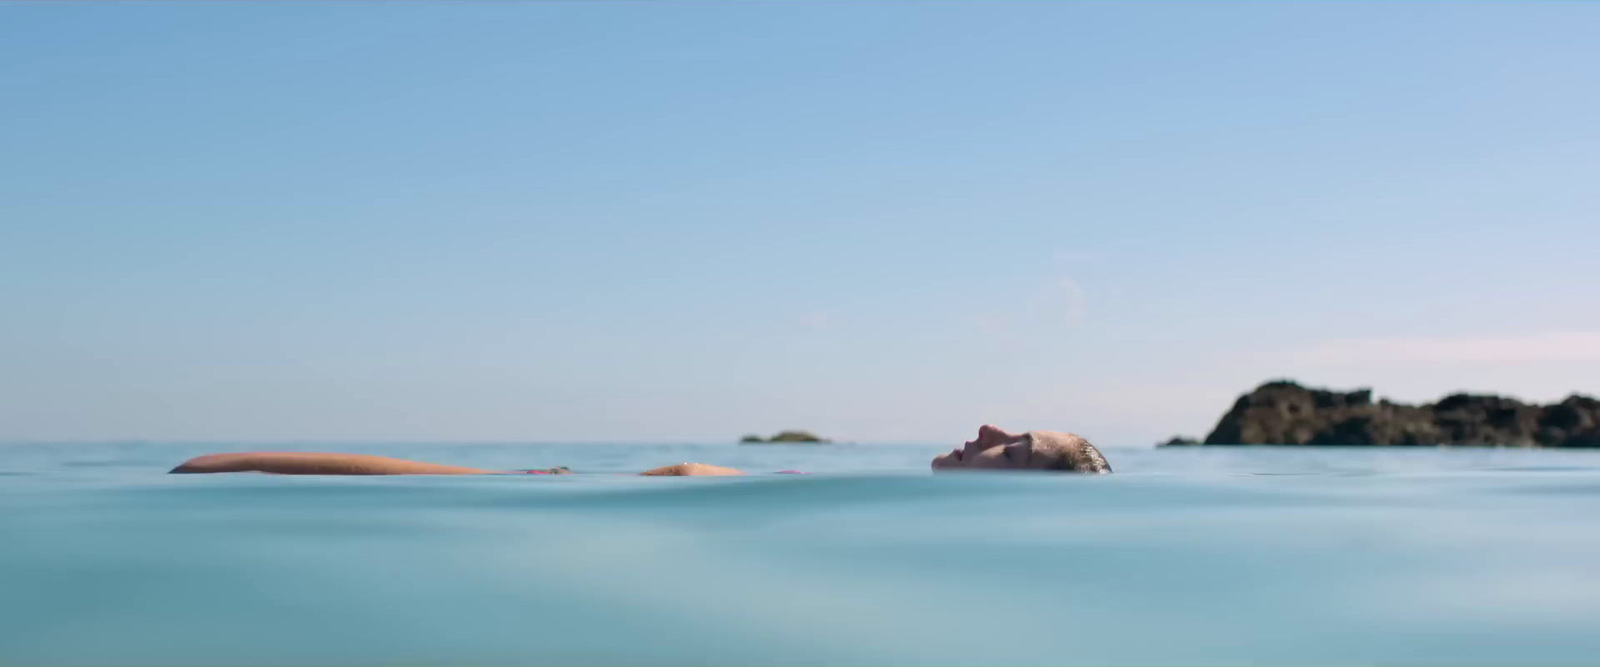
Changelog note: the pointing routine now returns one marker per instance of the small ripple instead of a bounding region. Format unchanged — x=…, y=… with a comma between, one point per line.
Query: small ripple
x=105, y=464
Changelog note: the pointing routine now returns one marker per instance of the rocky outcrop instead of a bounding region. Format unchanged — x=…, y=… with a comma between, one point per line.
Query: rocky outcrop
x=786, y=436
x=1285, y=413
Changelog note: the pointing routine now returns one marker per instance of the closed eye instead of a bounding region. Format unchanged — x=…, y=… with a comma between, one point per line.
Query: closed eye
x=1012, y=452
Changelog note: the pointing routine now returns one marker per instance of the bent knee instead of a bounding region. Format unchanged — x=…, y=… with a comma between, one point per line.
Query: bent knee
x=213, y=463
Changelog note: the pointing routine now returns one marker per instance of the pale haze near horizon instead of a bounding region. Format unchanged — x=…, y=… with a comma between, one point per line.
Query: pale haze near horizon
x=879, y=222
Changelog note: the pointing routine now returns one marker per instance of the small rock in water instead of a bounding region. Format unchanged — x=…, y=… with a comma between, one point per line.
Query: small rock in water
x=786, y=436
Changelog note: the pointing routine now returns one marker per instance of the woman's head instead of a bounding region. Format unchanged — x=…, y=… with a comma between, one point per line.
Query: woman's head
x=994, y=448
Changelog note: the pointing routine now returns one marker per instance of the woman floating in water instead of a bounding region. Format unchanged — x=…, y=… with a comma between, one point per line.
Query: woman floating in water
x=992, y=449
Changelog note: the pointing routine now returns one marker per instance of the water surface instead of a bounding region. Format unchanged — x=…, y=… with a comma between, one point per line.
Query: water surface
x=1193, y=556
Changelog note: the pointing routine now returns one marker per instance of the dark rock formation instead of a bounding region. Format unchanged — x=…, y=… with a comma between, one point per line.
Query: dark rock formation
x=1179, y=441
x=1285, y=413
x=785, y=436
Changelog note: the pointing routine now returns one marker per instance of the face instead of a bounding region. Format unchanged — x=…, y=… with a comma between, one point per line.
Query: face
x=995, y=449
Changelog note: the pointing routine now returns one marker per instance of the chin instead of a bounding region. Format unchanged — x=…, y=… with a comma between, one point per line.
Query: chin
x=951, y=459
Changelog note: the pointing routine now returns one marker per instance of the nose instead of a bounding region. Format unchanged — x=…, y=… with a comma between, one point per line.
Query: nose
x=989, y=433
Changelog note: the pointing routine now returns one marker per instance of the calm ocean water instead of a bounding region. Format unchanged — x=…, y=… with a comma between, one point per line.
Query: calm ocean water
x=1304, y=556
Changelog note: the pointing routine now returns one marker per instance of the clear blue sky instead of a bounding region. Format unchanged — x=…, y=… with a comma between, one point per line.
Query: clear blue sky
x=879, y=221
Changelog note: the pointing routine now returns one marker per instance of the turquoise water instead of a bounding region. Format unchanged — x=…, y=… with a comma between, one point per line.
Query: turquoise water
x=1193, y=556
